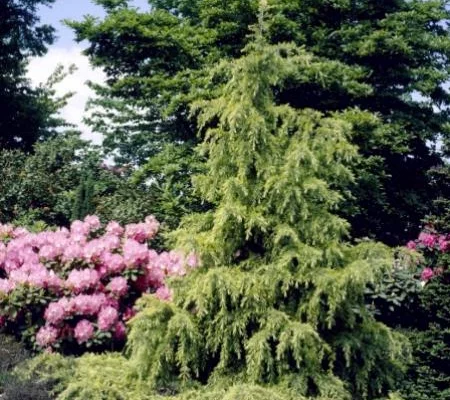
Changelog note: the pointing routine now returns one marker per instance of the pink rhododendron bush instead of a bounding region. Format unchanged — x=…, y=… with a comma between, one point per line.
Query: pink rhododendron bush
x=435, y=249
x=73, y=289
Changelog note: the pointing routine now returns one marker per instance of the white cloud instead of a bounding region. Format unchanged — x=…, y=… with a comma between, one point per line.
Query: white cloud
x=41, y=68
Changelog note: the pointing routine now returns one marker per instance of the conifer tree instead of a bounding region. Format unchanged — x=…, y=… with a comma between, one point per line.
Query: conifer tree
x=277, y=310
x=29, y=114
x=83, y=198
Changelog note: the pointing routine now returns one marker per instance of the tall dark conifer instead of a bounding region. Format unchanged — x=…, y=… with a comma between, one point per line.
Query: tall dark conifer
x=27, y=113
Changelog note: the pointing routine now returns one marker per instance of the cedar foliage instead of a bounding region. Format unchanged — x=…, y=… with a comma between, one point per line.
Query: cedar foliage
x=277, y=311
x=281, y=302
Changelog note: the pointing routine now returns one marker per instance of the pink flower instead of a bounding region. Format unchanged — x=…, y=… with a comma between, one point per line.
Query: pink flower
x=46, y=336
x=428, y=239
x=444, y=244
x=82, y=280
x=83, y=331
x=107, y=317
x=39, y=278
x=55, y=313
x=49, y=252
x=118, y=286
x=6, y=286
x=18, y=276
x=113, y=262
x=72, y=252
x=134, y=253
x=172, y=262
x=164, y=293
x=78, y=238
x=85, y=304
x=114, y=228
x=93, y=222
x=142, y=231
x=111, y=302
x=79, y=228
x=54, y=282
x=155, y=276
x=411, y=245
x=93, y=250
x=120, y=331
x=426, y=274
x=66, y=305
x=12, y=260
x=110, y=242
x=19, y=232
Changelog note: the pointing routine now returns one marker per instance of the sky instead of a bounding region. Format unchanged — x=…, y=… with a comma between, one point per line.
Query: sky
x=66, y=51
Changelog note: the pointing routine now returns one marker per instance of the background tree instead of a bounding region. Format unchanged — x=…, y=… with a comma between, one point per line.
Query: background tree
x=439, y=213
x=39, y=184
x=65, y=178
x=28, y=113
x=83, y=198
x=155, y=62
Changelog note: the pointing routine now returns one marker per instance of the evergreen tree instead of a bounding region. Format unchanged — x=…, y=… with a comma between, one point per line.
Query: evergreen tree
x=156, y=60
x=281, y=300
x=83, y=204
x=27, y=113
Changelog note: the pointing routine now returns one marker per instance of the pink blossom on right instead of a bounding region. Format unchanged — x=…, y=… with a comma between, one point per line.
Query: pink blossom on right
x=426, y=274
x=444, y=244
x=411, y=245
x=428, y=239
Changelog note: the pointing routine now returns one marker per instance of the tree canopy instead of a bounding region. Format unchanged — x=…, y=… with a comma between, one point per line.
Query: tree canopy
x=28, y=113
x=157, y=64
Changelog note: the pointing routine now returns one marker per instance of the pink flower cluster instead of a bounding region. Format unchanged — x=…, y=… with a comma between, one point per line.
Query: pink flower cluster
x=92, y=274
x=430, y=241
x=433, y=246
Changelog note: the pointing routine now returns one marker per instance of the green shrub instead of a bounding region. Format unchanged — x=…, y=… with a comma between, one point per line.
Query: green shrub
x=429, y=375
x=415, y=298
